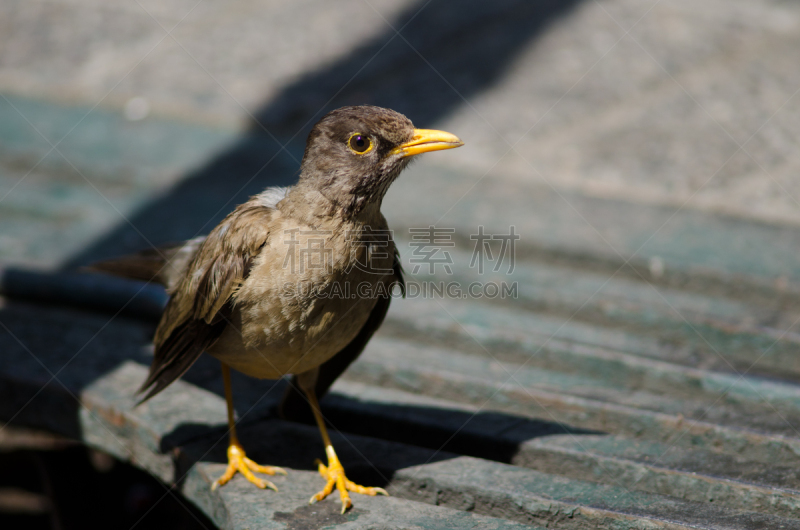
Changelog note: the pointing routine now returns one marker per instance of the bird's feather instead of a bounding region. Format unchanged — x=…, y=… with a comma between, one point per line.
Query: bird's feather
x=294, y=405
x=201, y=303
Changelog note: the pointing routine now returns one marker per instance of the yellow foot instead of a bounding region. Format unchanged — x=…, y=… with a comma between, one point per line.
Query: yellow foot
x=334, y=474
x=237, y=461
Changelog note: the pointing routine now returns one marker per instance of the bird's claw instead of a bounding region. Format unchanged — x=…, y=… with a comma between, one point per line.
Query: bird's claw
x=237, y=461
x=335, y=476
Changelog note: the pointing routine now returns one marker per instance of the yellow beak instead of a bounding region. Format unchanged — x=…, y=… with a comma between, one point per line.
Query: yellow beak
x=425, y=140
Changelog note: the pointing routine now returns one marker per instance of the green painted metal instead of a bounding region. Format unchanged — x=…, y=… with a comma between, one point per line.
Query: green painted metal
x=599, y=397
x=538, y=498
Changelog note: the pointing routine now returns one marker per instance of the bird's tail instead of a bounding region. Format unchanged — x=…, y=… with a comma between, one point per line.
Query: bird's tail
x=162, y=265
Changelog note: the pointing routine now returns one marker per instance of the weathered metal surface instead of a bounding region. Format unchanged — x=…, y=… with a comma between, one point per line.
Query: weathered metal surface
x=487, y=487
x=591, y=480
x=646, y=375
x=618, y=389
x=157, y=438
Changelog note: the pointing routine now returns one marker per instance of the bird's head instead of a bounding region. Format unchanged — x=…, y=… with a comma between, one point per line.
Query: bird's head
x=353, y=154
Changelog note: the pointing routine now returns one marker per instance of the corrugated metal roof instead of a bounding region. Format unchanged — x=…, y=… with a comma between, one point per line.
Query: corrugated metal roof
x=643, y=373
x=605, y=393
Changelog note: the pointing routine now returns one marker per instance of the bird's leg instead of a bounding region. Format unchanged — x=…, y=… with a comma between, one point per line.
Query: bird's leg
x=334, y=472
x=237, y=461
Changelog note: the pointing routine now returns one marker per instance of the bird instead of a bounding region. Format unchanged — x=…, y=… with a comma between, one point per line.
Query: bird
x=294, y=281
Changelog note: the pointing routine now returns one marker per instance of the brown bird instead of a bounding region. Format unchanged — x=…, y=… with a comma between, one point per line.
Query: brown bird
x=294, y=281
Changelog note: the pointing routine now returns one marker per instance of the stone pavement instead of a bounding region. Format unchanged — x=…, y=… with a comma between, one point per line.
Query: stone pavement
x=646, y=152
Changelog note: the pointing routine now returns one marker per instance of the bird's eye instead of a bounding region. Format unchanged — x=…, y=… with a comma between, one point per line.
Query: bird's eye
x=359, y=144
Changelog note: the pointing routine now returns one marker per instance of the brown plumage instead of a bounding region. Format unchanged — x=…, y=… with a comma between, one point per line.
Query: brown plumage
x=252, y=294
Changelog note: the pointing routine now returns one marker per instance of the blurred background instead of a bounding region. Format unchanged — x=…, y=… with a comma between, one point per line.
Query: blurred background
x=164, y=117
x=646, y=151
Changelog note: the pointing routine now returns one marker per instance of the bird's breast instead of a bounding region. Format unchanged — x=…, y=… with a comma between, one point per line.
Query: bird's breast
x=308, y=295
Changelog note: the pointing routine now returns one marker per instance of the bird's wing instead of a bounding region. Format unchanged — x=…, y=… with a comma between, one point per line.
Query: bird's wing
x=294, y=405
x=201, y=303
